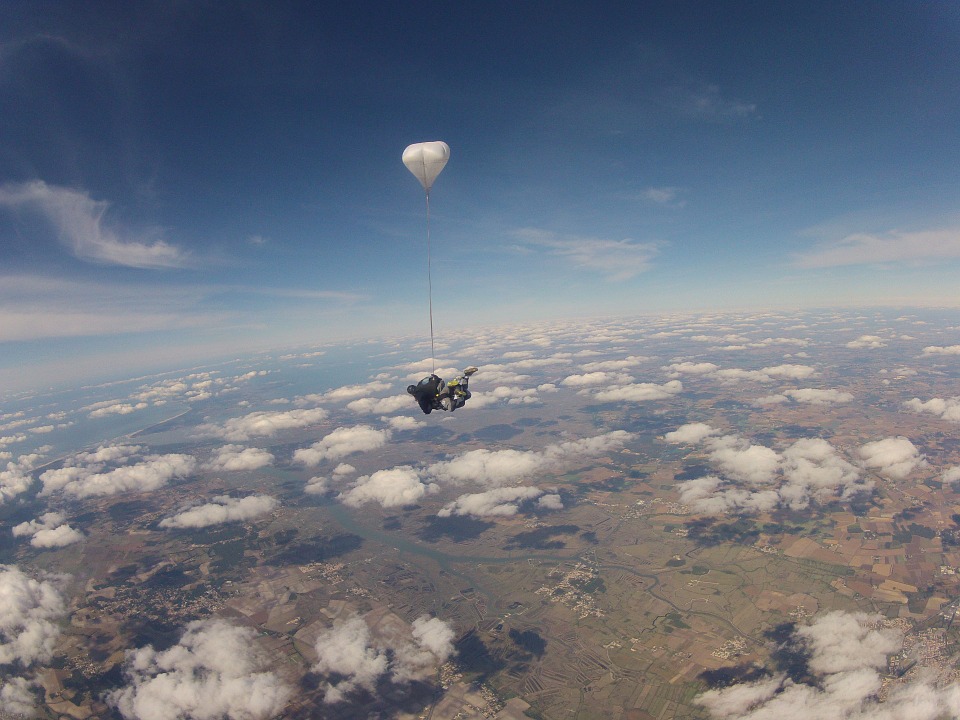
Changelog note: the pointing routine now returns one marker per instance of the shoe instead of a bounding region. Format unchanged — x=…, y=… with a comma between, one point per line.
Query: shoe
x=470, y=371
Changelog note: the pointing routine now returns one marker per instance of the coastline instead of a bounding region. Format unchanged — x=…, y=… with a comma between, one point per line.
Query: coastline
x=155, y=425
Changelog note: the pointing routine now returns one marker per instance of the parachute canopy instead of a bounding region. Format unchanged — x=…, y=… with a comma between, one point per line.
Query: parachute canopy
x=425, y=160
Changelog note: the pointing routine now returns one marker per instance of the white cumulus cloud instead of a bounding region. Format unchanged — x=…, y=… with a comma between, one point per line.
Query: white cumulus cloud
x=951, y=475
x=871, y=342
x=30, y=610
x=317, y=486
x=946, y=408
x=895, y=457
x=551, y=501
x=816, y=396
x=713, y=496
x=372, y=405
x=500, y=467
x=690, y=433
x=215, y=671
x=847, y=653
x=608, y=365
x=342, y=442
x=86, y=474
x=16, y=477
x=349, y=652
x=597, y=378
x=498, y=501
x=403, y=422
x=504, y=394
x=235, y=458
x=639, y=392
x=265, y=423
x=117, y=409
x=222, y=509
x=346, y=649
x=755, y=478
x=939, y=350
x=813, y=470
x=790, y=371
x=350, y=392
x=17, y=698
x=691, y=368
x=742, y=460
x=48, y=531
x=390, y=488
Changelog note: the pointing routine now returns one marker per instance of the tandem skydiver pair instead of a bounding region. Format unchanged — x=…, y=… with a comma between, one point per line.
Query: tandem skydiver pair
x=432, y=393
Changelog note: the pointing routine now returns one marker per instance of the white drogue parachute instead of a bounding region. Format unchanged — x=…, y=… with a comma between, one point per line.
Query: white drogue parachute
x=425, y=160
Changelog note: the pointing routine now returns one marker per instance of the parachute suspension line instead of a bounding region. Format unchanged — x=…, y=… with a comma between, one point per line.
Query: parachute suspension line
x=425, y=161
x=433, y=355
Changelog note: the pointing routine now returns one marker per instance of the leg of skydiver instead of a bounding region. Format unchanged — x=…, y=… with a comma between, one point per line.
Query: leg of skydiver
x=459, y=388
x=445, y=398
x=465, y=381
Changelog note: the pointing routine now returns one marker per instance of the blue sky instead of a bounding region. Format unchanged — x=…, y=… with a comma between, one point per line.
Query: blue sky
x=184, y=181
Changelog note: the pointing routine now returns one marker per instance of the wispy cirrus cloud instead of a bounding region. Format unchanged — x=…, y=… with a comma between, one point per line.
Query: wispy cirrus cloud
x=79, y=221
x=895, y=246
x=38, y=306
x=617, y=259
x=35, y=306
x=665, y=196
x=701, y=101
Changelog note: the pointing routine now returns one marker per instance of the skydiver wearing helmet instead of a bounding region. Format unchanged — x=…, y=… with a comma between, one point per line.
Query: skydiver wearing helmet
x=432, y=393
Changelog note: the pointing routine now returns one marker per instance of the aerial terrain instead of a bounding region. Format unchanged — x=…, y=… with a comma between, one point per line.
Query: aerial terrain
x=631, y=518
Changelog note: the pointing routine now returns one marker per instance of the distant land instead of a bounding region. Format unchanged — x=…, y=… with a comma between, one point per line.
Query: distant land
x=631, y=518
